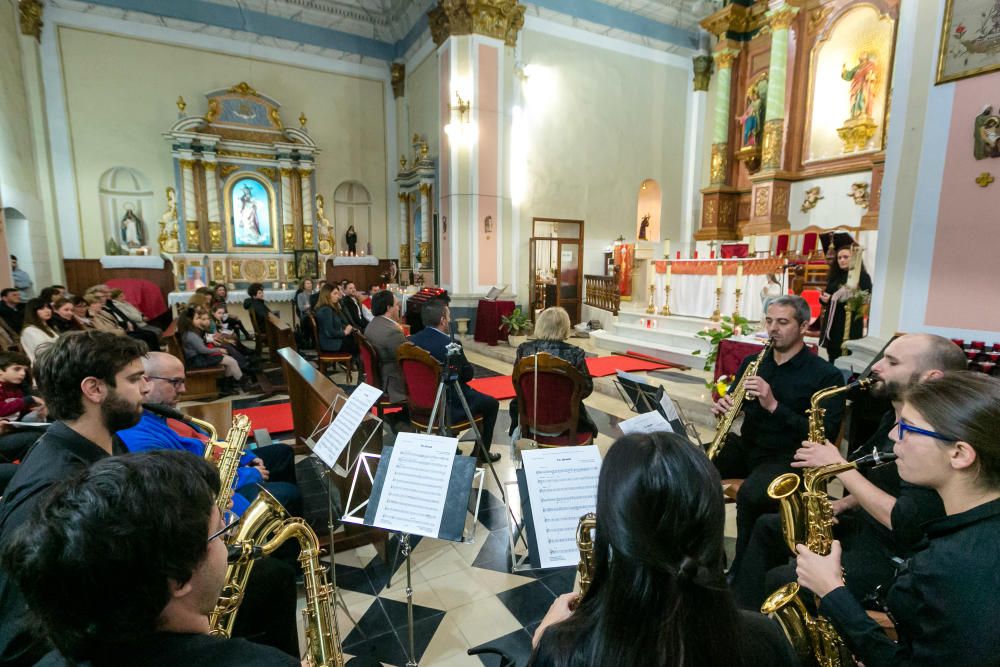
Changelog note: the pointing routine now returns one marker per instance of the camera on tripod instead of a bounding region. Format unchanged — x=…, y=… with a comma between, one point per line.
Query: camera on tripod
x=452, y=361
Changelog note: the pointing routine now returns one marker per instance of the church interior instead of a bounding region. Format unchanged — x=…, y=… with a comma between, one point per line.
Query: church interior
x=661, y=170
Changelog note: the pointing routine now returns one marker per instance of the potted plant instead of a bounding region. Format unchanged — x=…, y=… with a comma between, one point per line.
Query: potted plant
x=517, y=324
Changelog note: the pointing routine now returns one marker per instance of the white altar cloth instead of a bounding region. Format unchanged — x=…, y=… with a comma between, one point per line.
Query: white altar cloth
x=237, y=296
x=344, y=260
x=131, y=262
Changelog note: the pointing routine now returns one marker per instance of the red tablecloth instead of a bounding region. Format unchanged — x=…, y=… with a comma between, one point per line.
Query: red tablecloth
x=141, y=293
x=488, y=316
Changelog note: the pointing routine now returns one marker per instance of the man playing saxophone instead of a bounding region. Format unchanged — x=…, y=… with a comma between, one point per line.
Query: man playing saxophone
x=775, y=421
x=880, y=518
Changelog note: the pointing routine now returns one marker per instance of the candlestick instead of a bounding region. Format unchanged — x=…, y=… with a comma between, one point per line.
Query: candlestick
x=651, y=308
x=666, y=296
x=736, y=310
x=717, y=313
x=669, y=271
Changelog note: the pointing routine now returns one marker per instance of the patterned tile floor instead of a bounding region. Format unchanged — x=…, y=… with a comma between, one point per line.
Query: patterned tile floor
x=465, y=595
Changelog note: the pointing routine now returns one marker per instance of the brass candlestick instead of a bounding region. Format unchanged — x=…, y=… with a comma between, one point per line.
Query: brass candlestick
x=666, y=301
x=651, y=308
x=717, y=313
x=736, y=310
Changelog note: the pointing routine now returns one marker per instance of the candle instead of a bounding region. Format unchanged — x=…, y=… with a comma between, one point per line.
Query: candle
x=739, y=275
x=718, y=275
x=666, y=248
x=752, y=250
x=678, y=254
x=652, y=272
x=695, y=254
x=711, y=255
x=668, y=273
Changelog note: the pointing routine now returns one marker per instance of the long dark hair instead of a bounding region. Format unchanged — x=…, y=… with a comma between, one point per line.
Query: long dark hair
x=658, y=595
x=186, y=323
x=31, y=318
x=836, y=275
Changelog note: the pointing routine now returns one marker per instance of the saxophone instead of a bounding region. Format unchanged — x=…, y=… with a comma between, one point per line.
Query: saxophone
x=264, y=527
x=585, y=543
x=738, y=394
x=229, y=463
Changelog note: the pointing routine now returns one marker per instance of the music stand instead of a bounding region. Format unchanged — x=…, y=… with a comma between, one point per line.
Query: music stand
x=640, y=396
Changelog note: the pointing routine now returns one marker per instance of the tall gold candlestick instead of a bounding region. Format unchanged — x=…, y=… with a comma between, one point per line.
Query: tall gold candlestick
x=717, y=313
x=666, y=301
x=736, y=310
x=651, y=308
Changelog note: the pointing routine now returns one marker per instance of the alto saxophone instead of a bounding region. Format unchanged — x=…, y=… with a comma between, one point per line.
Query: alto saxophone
x=585, y=543
x=264, y=527
x=738, y=394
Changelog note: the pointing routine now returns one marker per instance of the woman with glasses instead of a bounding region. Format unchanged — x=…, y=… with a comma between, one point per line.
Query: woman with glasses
x=944, y=601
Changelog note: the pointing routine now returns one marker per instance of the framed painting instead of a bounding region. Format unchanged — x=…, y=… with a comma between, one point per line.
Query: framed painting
x=970, y=39
x=252, y=213
x=306, y=264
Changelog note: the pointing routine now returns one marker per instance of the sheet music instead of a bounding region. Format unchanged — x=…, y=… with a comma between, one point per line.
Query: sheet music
x=644, y=423
x=632, y=377
x=669, y=409
x=562, y=486
x=416, y=484
x=339, y=433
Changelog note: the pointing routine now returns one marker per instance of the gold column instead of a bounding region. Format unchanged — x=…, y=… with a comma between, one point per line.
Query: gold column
x=287, y=218
x=308, y=215
x=191, y=231
x=425, y=225
x=212, y=200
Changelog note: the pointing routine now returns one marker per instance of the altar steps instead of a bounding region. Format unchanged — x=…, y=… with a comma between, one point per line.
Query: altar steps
x=671, y=338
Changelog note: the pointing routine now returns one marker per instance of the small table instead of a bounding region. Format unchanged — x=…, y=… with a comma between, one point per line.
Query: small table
x=488, y=316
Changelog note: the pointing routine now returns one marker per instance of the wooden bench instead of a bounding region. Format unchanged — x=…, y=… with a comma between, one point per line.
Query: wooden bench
x=199, y=382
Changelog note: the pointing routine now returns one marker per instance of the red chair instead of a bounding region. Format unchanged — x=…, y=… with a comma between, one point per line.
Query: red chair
x=370, y=365
x=552, y=419
x=326, y=359
x=782, y=247
x=809, y=242
x=422, y=375
x=812, y=298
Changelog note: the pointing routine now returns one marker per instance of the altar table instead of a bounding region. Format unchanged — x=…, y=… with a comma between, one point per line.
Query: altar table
x=488, y=315
x=693, y=282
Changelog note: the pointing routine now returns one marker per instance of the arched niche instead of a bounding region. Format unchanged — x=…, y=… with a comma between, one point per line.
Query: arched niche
x=352, y=205
x=126, y=202
x=648, y=205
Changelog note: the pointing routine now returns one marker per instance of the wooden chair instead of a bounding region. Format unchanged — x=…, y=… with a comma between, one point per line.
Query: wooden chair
x=422, y=375
x=326, y=359
x=370, y=366
x=550, y=420
x=198, y=382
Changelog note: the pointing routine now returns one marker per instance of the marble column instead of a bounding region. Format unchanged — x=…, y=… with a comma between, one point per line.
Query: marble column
x=191, y=232
x=780, y=20
x=724, y=59
x=425, y=226
x=212, y=204
x=308, y=214
x=404, y=237
x=287, y=218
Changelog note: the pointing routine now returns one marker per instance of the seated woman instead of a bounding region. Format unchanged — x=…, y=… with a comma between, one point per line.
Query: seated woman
x=192, y=327
x=658, y=595
x=551, y=331
x=133, y=314
x=331, y=323
x=98, y=318
x=36, y=331
x=64, y=317
x=257, y=307
x=304, y=297
x=944, y=601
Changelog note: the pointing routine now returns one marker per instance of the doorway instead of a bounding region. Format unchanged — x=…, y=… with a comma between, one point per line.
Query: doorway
x=555, y=254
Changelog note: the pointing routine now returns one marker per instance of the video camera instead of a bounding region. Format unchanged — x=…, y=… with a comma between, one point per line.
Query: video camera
x=452, y=361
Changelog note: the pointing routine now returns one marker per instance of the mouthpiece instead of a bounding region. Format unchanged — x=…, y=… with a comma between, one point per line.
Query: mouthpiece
x=166, y=411
x=876, y=458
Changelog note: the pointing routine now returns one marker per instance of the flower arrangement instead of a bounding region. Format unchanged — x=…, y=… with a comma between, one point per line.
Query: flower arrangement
x=858, y=302
x=727, y=328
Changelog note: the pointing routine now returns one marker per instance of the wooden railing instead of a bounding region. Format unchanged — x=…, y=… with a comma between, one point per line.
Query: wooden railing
x=602, y=292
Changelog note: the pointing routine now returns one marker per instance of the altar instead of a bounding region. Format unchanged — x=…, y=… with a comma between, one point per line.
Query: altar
x=694, y=283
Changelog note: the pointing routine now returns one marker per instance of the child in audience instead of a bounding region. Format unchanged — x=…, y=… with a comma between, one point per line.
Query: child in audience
x=192, y=327
x=15, y=402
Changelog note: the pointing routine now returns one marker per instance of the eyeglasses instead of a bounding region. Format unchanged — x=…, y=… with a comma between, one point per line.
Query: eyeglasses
x=176, y=382
x=231, y=522
x=905, y=428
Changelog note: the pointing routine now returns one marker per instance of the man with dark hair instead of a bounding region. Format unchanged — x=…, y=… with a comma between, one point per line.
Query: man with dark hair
x=22, y=281
x=385, y=335
x=881, y=517
x=145, y=532
x=11, y=308
x=775, y=422
x=352, y=307
x=435, y=337
x=93, y=384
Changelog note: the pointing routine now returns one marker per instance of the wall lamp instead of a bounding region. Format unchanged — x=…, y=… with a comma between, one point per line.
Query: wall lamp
x=461, y=129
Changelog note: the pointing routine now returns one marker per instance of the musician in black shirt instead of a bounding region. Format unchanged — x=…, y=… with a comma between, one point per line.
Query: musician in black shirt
x=775, y=422
x=944, y=603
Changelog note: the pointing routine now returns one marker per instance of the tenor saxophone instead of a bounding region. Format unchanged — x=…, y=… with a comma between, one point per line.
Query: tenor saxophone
x=585, y=543
x=229, y=462
x=264, y=527
x=738, y=394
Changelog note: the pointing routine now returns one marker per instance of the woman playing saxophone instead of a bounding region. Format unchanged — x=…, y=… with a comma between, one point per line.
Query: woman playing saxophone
x=944, y=602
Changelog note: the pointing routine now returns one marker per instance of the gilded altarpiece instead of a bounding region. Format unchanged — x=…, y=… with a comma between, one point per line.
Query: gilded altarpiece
x=245, y=186
x=416, y=182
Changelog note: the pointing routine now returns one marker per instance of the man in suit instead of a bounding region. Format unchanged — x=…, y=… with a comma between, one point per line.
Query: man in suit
x=435, y=337
x=385, y=335
x=11, y=308
x=352, y=307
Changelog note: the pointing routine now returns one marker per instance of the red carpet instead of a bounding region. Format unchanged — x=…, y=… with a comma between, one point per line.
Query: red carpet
x=602, y=366
x=499, y=387
x=275, y=418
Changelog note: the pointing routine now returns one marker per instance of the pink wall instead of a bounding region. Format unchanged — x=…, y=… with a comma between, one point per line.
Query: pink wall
x=964, y=273
x=489, y=186
x=444, y=201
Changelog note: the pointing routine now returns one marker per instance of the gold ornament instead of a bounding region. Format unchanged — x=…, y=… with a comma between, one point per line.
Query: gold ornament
x=984, y=179
x=720, y=164
x=181, y=104
x=303, y=120
x=193, y=236
x=500, y=19
x=772, y=144
x=397, y=75
x=30, y=15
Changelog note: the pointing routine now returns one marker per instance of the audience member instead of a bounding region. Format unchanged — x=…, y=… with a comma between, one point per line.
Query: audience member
x=386, y=335
x=192, y=327
x=64, y=316
x=36, y=331
x=333, y=328
x=11, y=308
x=22, y=281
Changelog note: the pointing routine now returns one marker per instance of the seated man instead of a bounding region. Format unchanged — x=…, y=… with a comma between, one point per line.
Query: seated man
x=882, y=516
x=272, y=466
x=11, y=308
x=435, y=337
x=775, y=422
x=137, y=526
x=385, y=335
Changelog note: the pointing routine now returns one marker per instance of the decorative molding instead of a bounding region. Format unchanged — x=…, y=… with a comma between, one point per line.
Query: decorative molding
x=500, y=19
x=726, y=58
x=425, y=188
x=270, y=172
x=720, y=164
x=404, y=255
x=193, y=236
x=702, y=72
x=288, y=238
x=186, y=164
x=732, y=18
x=397, y=76
x=772, y=144
x=226, y=169
x=782, y=18
x=215, y=236
x=307, y=236
x=425, y=254
x=30, y=15
x=244, y=88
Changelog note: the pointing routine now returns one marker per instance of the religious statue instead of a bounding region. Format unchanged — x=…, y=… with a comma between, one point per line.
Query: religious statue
x=643, y=226
x=393, y=271
x=862, y=77
x=352, y=240
x=168, y=225
x=130, y=228
x=327, y=244
x=812, y=198
x=986, y=136
x=751, y=118
x=859, y=193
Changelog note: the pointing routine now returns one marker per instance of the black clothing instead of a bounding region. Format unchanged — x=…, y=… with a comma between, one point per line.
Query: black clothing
x=330, y=325
x=567, y=352
x=58, y=455
x=14, y=317
x=150, y=338
x=352, y=310
x=169, y=649
x=768, y=441
x=944, y=603
x=761, y=642
x=60, y=325
x=835, y=340
x=258, y=315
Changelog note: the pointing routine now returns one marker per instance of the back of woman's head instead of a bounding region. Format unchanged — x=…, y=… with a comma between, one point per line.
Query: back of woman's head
x=553, y=324
x=964, y=405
